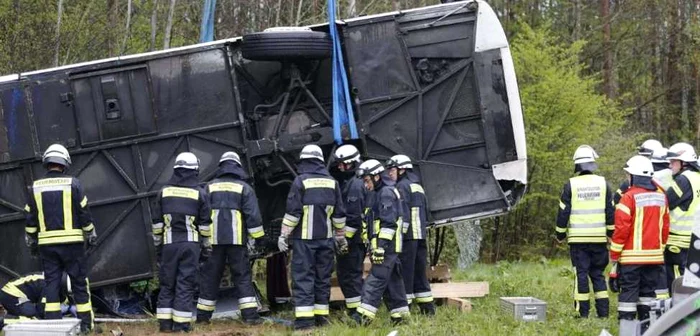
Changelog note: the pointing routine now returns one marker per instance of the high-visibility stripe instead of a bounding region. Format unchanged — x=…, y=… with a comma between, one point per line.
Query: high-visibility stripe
x=597, y=225
x=367, y=310
x=399, y=312
x=89, y=227
x=61, y=240
x=256, y=232
x=182, y=317
x=615, y=247
x=587, y=211
x=305, y=221
x=157, y=228
x=164, y=313
x=415, y=222
x=630, y=307
x=247, y=302
x=560, y=229
x=67, y=209
x=206, y=305
x=352, y=302
x=27, y=208
x=290, y=220
x=329, y=212
x=40, y=211
x=582, y=297
x=416, y=188
x=84, y=202
x=52, y=307
x=321, y=309
x=562, y=205
x=350, y=232
x=207, y=308
x=601, y=294
x=226, y=187
x=398, y=239
x=304, y=311
x=180, y=192
x=571, y=239
x=214, y=226
x=31, y=229
x=84, y=307
x=312, y=183
x=385, y=233
x=13, y=291
x=676, y=271
x=338, y=223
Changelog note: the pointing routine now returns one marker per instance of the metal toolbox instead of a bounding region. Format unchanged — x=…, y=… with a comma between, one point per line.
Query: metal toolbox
x=525, y=308
x=65, y=327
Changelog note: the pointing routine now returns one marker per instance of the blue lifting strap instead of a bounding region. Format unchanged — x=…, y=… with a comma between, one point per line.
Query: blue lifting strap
x=206, y=29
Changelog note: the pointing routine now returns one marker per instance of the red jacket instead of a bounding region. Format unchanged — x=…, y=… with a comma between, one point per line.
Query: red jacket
x=641, y=227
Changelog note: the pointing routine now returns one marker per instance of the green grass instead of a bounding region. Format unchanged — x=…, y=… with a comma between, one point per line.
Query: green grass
x=548, y=280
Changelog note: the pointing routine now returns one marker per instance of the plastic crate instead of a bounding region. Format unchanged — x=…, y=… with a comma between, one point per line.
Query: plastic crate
x=525, y=308
x=65, y=327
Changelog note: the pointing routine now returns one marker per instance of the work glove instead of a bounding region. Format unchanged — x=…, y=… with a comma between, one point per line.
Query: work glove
x=33, y=245
x=377, y=256
x=613, y=281
x=92, y=238
x=206, y=250
x=341, y=244
x=283, y=240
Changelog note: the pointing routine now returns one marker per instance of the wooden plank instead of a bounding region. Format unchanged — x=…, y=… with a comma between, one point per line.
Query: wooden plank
x=441, y=290
x=462, y=305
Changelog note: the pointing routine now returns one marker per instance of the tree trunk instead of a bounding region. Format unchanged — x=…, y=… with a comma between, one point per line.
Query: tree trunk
x=298, y=20
x=608, y=86
x=127, y=32
x=397, y=5
x=577, y=20
x=277, y=14
x=352, y=9
x=58, y=32
x=154, y=25
x=169, y=25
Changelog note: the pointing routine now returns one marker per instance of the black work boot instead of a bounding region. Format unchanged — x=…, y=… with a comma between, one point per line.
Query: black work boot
x=304, y=323
x=182, y=327
x=322, y=321
x=427, y=308
x=395, y=321
x=166, y=326
x=250, y=316
x=204, y=318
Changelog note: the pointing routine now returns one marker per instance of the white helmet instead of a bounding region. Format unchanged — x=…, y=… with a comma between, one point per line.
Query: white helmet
x=347, y=154
x=659, y=155
x=187, y=160
x=648, y=147
x=585, y=154
x=56, y=154
x=682, y=152
x=371, y=167
x=230, y=156
x=640, y=166
x=311, y=152
x=400, y=161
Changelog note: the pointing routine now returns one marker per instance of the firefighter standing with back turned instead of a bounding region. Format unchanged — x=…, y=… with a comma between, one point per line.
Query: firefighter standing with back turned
x=683, y=203
x=180, y=232
x=647, y=150
x=58, y=224
x=385, y=233
x=350, y=265
x=236, y=223
x=586, y=220
x=315, y=222
x=414, y=255
x=641, y=230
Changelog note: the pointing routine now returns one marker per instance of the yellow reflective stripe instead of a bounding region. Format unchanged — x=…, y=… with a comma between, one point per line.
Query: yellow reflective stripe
x=207, y=308
x=352, y=305
x=84, y=307
x=677, y=189
x=587, y=239
x=27, y=208
x=239, y=223
x=321, y=312
x=582, y=296
x=676, y=271
x=424, y=299
x=638, y=228
x=415, y=222
x=305, y=225
x=562, y=205
x=84, y=202
x=61, y=240
x=611, y=227
x=178, y=319
x=14, y=291
x=181, y=192
x=30, y=229
x=416, y=188
x=256, y=234
x=52, y=307
x=164, y=316
x=226, y=187
x=623, y=208
x=67, y=209
x=61, y=233
x=89, y=228
x=601, y=294
x=247, y=305
x=319, y=183
x=365, y=312
x=615, y=247
x=636, y=259
x=561, y=229
x=290, y=220
x=399, y=235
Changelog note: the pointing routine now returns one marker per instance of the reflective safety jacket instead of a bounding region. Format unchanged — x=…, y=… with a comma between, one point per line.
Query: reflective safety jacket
x=415, y=204
x=182, y=209
x=314, y=200
x=354, y=197
x=57, y=210
x=585, y=210
x=683, y=200
x=386, y=216
x=641, y=227
x=234, y=208
x=29, y=287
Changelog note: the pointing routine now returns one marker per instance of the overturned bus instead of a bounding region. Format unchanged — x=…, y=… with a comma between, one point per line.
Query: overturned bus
x=435, y=83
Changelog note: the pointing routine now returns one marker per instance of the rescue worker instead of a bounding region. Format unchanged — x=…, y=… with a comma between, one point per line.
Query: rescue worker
x=314, y=199
x=385, y=232
x=236, y=225
x=350, y=265
x=585, y=219
x=683, y=204
x=181, y=232
x=414, y=255
x=23, y=297
x=636, y=249
x=647, y=150
x=58, y=224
